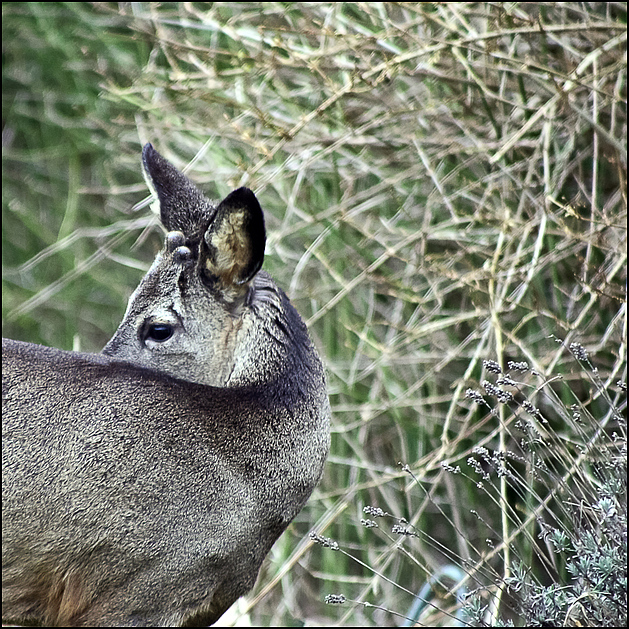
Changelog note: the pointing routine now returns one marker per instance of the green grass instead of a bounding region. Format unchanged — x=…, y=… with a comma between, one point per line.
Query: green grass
x=444, y=184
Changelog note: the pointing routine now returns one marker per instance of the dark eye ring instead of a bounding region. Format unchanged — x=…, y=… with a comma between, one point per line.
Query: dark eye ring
x=159, y=332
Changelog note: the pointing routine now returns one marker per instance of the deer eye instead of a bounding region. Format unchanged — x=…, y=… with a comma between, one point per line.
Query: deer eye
x=159, y=332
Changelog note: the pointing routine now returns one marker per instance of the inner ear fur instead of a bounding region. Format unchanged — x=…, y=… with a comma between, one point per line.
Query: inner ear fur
x=232, y=250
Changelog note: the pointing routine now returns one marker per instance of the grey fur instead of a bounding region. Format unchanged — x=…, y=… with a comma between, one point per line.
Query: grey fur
x=145, y=485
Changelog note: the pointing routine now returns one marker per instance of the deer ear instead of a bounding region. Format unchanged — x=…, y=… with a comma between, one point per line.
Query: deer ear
x=182, y=206
x=232, y=249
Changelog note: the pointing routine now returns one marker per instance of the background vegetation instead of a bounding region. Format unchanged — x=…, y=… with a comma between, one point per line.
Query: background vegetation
x=445, y=194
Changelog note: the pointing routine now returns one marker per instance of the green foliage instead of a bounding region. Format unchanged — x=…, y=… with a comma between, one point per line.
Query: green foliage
x=444, y=187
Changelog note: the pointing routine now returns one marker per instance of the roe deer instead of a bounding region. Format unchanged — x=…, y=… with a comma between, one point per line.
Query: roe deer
x=146, y=484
